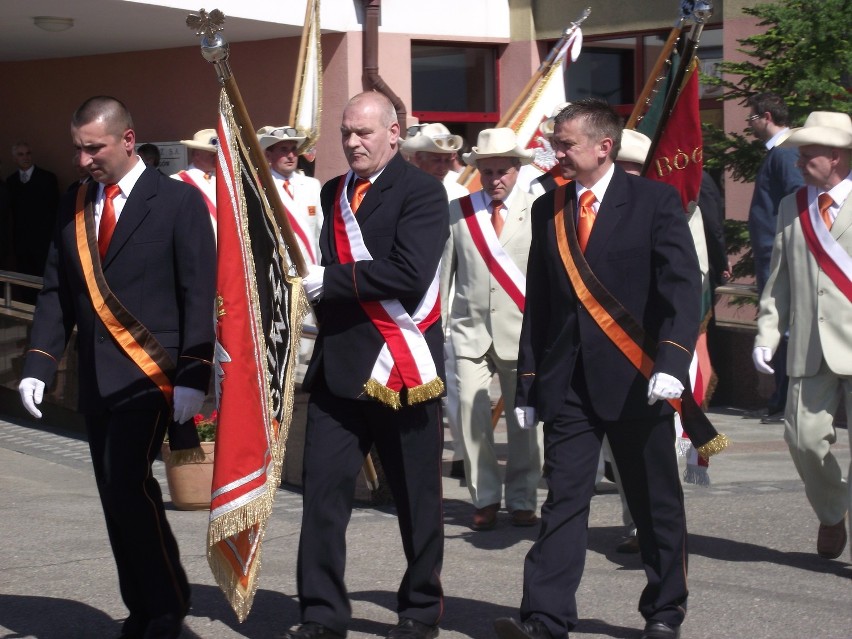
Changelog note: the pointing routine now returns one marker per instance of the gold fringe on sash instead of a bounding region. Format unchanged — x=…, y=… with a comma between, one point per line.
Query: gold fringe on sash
x=716, y=445
x=187, y=456
x=382, y=393
x=393, y=399
x=425, y=392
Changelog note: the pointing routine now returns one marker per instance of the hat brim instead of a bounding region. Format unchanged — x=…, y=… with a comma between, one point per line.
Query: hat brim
x=522, y=155
x=448, y=144
x=820, y=135
x=267, y=141
x=192, y=144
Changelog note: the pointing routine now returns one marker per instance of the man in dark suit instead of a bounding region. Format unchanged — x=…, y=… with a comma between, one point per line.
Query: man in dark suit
x=629, y=249
x=386, y=223
x=33, y=198
x=132, y=265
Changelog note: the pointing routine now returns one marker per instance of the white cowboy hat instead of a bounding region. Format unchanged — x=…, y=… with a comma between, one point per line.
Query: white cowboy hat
x=497, y=143
x=269, y=135
x=434, y=138
x=826, y=128
x=634, y=147
x=547, y=126
x=204, y=140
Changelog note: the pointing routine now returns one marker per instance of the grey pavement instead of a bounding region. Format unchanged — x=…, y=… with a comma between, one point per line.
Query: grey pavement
x=753, y=567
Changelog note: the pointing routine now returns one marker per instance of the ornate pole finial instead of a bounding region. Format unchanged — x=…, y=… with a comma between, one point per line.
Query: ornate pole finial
x=214, y=47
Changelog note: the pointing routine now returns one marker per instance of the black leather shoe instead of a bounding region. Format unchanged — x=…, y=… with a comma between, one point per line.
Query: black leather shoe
x=660, y=630
x=507, y=628
x=411, y=629
x=133, y=627
x=311, y=630
x=164, y=627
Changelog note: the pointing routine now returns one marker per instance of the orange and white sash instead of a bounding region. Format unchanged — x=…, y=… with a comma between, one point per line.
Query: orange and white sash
x=208, y=191
x=301, y=232
x=500, y=265
x=405, y=361
x=831, y=257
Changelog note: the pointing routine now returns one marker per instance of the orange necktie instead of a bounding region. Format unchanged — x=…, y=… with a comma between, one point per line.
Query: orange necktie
x=586, y=219
x=497, y=216
x=361, y=186
x=825, y=203
x=287, y=188
x=107, y=224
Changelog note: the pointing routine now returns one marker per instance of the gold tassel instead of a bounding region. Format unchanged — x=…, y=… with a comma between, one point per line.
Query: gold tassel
x=383, y=394
x=187, y=456
x=716, y=445
x=425, y=392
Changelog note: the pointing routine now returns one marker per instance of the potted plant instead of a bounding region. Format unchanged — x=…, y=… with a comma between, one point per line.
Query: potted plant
x=190, y=483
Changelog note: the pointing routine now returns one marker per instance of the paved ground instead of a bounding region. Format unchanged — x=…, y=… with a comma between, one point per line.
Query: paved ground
x=753, y=568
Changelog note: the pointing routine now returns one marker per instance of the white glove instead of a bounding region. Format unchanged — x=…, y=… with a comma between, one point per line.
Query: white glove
x=312, y=282
x=663, y=386
x=188, y=402
x=762, y=355
x=525, y=416
x=32, y=392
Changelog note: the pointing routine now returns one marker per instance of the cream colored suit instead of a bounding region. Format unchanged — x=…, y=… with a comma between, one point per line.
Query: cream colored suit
x=801, y=297
x=485, y=326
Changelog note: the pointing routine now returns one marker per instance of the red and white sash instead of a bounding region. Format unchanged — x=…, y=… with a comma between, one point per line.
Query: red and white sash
x=187, y=177
x=500, y=265
x=831, y=257
x=301, y=232
x=405, y=360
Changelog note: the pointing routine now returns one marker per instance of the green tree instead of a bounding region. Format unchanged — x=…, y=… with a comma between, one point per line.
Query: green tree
x=803, y=54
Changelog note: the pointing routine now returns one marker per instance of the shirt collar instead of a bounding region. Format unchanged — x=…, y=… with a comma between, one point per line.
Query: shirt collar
x=776, y=139
x=599, y=187
x=28, y=172
x=841, y=190
x=129, y=180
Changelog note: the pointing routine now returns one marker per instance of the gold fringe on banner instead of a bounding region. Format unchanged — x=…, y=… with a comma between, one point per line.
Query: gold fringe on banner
x=716, y=445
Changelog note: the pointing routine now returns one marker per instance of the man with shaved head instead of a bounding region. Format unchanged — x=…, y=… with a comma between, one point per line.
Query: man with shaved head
x=130, y=267
x=377, y=372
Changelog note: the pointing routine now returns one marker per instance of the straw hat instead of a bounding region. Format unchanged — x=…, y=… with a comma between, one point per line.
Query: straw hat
x=434, y=138
x=826, y=128
x=497, y=143
x=269, y=135
x=204, y=140
x=547, y=126
x=634, y=147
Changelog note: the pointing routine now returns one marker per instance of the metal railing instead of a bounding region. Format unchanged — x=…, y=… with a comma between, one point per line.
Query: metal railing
x=743, y=292
x=9, y=279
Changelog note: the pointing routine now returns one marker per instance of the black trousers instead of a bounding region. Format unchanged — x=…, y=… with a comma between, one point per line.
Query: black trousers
x=645, y=455
x=123, y=447
x=340, y=432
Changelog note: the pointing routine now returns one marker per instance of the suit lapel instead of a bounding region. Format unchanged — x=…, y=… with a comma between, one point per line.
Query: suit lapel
x=844, y=219
x=376, y=194
x=608, y=217
x=514, y=218
x=135, y=210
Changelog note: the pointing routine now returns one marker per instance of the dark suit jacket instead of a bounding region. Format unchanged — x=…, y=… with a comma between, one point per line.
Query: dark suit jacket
x=404, y=219
x=641, y=250
x=777, y=177
x=33, y=207
x=161, y=265
x=713, y=217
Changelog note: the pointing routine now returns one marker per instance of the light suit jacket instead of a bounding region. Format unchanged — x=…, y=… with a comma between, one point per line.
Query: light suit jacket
x=308, y=210
x=481, y=312
x=799, y=296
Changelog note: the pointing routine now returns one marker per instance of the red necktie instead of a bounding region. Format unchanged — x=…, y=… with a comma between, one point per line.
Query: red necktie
x=107, y=225
x=287, y=188
x=586, y=219
x=825, y=203
x=361, y=186
x=497, y=216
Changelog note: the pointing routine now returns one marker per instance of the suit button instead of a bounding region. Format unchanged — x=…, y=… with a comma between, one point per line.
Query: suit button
x=101, y=339
x=821, y=319
x=820, y=292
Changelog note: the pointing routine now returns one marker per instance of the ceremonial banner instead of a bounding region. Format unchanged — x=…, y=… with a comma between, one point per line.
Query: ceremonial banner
x=259, y=315
x=307, y=97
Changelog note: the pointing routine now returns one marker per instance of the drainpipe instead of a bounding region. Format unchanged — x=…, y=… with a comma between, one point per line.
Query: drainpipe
x=372, y=14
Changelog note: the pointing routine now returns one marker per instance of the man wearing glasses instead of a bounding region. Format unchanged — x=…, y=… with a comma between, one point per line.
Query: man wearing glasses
x=776, y=177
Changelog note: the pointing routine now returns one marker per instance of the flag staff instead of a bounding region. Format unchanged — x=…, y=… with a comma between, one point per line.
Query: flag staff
x=215, y=49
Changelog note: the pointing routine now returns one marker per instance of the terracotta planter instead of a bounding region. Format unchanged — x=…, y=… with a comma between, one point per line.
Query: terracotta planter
x=190, y=484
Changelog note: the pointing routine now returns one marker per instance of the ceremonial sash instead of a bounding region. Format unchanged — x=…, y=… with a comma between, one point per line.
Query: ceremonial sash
x=298, y=229
x=405, y=361
x=831, y=257
x=186, y=177
x=499, y=264
x=552, y=178
x=622, y=329
x=130, y=334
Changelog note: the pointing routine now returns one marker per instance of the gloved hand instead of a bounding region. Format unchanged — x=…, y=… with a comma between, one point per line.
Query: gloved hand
x=761, y=356
x=312, y=282
x=525, y=416
x=663, y=386
x=32, y=392
x=187, y=402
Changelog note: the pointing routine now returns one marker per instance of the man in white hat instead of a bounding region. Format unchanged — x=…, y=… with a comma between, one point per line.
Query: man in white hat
x=486, y=257
x=432, y=149
x=553, y=177
x=299, y=194
x=201, y=172
x=809, y=293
